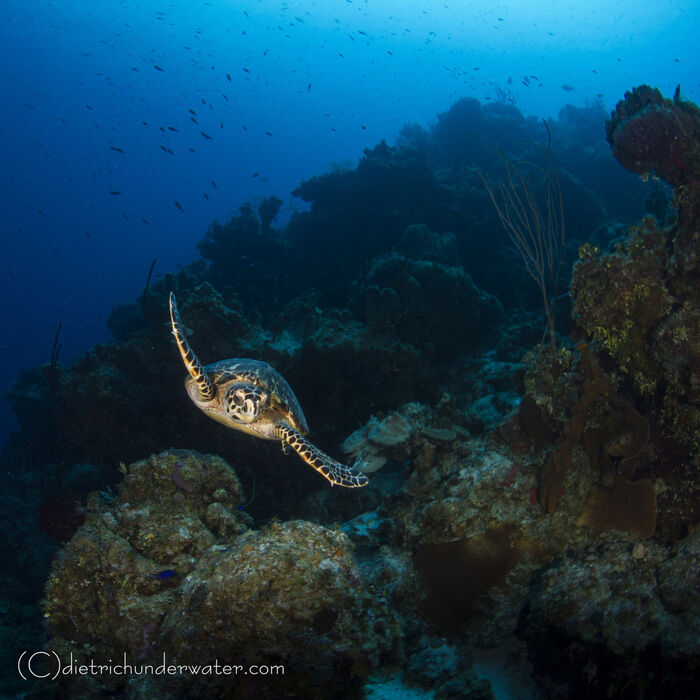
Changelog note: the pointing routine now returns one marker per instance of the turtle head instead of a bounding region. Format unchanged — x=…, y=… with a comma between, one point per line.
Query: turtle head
x=244, y=403
x=199, y=386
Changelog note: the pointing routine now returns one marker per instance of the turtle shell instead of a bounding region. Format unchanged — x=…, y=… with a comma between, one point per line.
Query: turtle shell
x=243, y=370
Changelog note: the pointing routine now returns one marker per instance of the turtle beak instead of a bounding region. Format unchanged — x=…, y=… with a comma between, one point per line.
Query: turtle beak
x=199, y=376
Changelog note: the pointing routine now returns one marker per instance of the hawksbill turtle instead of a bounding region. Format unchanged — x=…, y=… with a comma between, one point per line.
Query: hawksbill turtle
x=253, y=397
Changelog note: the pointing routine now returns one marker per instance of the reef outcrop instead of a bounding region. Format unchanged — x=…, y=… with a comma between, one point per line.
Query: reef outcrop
x=170, y=567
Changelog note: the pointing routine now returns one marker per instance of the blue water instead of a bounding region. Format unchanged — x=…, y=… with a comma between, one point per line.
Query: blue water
x=325, y=79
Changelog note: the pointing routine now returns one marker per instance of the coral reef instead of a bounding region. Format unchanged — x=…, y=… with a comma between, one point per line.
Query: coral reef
x=170, y=567
x=640, y=301
x=534, y=509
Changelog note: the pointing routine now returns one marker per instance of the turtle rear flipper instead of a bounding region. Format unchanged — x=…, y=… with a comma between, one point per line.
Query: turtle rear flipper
x=335, y=472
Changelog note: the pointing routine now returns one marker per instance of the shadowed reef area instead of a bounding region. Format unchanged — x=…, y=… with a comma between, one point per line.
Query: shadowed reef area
x=531, y=517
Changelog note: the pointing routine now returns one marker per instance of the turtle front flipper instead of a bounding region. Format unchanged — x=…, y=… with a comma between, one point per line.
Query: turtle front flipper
x=193, y=365
x=335, y=472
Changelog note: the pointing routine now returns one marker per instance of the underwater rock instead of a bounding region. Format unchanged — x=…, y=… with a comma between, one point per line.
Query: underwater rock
x=244, y=253
x=363, y=213
x=447, y=671
x=420, y=243
x=404, y=298
x=291, y=591
x=170, y=568
x=631, y=608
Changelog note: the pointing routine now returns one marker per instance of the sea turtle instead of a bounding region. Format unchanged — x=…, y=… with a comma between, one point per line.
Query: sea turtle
x=251, y=396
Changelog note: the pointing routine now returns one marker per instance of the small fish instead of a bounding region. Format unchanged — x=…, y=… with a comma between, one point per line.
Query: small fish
x=114, y=148
x=172, y=128
x=228, y=77
x=568, y=88
x=308, y=88
x=145, y=221
x=163, y=575
x=191, y=111
x=158, y=68
x=255, y=174
x=206, y=136
x=244, y=127
x=115, y=192
x=206, y=196
x=87, y=233
x=223, y=94
x=246, y=70
x=214, y=185
x=268, y=133
x=178, y=205
x=193, y=120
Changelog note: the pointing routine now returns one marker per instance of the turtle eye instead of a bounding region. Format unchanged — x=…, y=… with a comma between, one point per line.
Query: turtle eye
x=245, y=402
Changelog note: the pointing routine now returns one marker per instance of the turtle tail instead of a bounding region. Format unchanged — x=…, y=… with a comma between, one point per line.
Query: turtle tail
x=206, y=388
x=337, y=473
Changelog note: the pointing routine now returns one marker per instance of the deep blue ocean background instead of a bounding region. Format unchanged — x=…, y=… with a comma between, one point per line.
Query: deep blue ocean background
x=116, y=97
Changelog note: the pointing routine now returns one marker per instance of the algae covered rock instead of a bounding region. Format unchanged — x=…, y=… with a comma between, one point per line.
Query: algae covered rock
x=292, y=591
x=170, y=570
